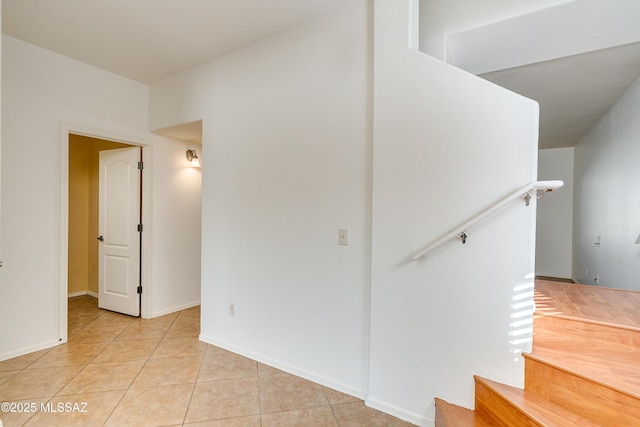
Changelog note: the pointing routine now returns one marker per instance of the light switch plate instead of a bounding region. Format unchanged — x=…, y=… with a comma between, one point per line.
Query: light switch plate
x=343, y=238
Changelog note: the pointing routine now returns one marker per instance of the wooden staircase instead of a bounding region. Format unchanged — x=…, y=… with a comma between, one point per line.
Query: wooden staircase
x=584, y=369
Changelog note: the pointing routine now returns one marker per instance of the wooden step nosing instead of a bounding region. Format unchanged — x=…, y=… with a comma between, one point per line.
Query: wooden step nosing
x=586, y=377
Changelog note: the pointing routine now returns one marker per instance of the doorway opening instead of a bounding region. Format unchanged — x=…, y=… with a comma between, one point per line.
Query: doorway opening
x=84, y=213
x=81, y=267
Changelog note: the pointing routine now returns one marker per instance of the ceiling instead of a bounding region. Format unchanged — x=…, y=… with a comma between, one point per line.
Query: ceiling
x=148, y=40
x=573, y=92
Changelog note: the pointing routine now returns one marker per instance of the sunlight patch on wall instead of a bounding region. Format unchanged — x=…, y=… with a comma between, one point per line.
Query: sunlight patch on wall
x=523, y=308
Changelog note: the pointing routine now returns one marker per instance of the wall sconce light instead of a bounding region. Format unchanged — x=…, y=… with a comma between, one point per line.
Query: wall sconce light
x=193, y=158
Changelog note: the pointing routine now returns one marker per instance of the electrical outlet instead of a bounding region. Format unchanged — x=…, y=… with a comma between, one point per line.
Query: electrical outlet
x=597, y=280
x=232, y=309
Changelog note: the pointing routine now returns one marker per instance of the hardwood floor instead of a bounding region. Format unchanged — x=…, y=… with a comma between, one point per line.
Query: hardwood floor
x=586, y=302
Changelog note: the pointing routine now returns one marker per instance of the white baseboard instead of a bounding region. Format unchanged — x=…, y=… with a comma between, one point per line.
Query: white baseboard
x=174, y=309
x=81, y=293
x=410, y=417
x=27, y=350
x=76, y=294
x=318, y=379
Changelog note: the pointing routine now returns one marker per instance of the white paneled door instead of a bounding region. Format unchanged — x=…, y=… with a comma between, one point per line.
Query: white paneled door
x=119, y=232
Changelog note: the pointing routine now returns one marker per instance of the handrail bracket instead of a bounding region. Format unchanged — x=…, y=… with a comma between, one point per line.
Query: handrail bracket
x=539, y=187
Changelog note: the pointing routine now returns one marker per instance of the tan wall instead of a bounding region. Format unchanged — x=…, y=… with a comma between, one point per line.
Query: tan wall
x=83, y=211
x=78, y=215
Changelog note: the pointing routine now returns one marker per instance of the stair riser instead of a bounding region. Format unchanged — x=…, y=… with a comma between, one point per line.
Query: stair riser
x=556, y=342
x=588, y=399
x=586, y=330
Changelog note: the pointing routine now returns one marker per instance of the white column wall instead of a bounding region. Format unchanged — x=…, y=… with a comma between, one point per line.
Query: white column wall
x=287, y=134
x=446, y=146
x=286, y=163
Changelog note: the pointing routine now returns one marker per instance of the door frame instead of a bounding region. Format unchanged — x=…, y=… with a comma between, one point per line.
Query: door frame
x=145, y=266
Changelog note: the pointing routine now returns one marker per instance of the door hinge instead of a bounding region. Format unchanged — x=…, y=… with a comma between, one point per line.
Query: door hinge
x=140, y=289
x=140, y=165
x=140, y=228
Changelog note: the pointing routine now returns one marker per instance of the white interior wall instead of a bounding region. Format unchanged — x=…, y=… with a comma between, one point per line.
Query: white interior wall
x=176, y=227
x=605, y=202
x=40, y=91
x=532, y=36
x=286, y=154
x=440, y=18
x=554, y=225
x=1, y=252
x=446, y=146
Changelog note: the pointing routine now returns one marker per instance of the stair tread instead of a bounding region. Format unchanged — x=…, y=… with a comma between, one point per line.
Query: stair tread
x=454, y=415
x=543, y=412
x=620, y=375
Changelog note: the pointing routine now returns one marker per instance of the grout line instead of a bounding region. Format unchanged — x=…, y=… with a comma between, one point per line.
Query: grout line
x=259, y=392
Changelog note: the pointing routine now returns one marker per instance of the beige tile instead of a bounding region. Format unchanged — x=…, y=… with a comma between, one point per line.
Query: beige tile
x=190, y=313
x=252, y=421
x=21, y=362
x=154, y=406
x=79, y=410
x=335, y=397
x=219, y=400
x=212, y=350
x=358, y=415
x=316, y=417
x=225, y=365
x=23, y=410
x=74, y=330
x=108, y=318
x=184, y=328
x=265, y=370
x=37, y=383
x=97, y=333
x=167, y=318
x=124, y=351
x=286, y=392
x=69, y=354
x=181, y=346
x=103, y=377
x=167, y=371
x=82, y=318
x=141, y=331
x=5, y=375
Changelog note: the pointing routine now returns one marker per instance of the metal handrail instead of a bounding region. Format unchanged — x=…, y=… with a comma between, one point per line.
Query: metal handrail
x=540, y=187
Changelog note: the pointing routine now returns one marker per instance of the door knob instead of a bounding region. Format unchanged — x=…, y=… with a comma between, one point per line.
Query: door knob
x=101, y=238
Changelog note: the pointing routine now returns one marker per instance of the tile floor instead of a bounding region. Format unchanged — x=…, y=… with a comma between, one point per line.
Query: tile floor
x=122, y=371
